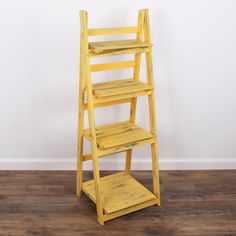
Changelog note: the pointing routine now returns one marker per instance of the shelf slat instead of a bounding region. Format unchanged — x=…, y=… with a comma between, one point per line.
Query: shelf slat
x=119, y=52
x=125, y=147
x=118, y=134
x=122, y=96
x=100, y=47
x=118, y=191
x=117, y=87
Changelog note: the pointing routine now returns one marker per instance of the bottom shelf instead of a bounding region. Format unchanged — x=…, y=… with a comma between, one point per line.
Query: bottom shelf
x=120, y=191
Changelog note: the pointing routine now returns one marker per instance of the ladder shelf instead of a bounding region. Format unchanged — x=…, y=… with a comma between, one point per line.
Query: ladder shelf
x=117, y=194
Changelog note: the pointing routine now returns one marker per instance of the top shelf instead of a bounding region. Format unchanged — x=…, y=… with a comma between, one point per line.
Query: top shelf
x=118, y=46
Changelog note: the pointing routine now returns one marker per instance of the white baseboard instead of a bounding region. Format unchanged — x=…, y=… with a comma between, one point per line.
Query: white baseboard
x=118, y=164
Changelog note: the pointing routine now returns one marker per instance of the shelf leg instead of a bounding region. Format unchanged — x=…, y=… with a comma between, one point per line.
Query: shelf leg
x=136, y=71
x=79, y=177
x=130, y=152
x=152, y=109
x=128, y=161
x=96, y=176
x=91, y=117
x=155, y=172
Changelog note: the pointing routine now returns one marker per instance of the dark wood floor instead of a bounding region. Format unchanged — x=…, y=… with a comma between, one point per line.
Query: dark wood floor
x=44, y=203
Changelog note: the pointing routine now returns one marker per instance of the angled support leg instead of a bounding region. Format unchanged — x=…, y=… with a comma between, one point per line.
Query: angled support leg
x=80, y=138
x=89, y=96
x=79, y=177
x=133, y=103
x=152, y=109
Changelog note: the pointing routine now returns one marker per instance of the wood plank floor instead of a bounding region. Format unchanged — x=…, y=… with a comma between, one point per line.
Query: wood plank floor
x=44, y=203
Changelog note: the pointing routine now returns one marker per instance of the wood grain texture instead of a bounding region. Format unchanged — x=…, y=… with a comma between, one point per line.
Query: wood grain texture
x=100, y=47
x=117, y=87
x=118, y=52
x=122, y=96
x=91, y=116
x=119, y=191
x=118, y=134
x=45, y=203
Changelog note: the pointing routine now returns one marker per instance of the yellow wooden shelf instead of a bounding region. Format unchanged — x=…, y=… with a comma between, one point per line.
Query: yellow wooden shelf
x=105, y=46
x=119, y=134
x=117, y=194
x=119, y=191
x=118, y=87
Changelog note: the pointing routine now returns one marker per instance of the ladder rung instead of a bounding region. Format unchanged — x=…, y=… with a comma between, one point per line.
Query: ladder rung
x=112, y=66
x=108, y=103
x=107, y=31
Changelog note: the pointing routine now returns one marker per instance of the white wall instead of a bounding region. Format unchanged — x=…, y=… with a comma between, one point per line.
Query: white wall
x=195, y=74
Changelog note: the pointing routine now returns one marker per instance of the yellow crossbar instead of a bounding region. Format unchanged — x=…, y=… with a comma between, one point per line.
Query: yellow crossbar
x=108, y=31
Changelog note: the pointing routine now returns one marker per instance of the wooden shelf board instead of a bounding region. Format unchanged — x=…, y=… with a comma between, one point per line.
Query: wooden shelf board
x=118, y=134
x=117, y=87
x=100, y=47
x=119, y=97
x=125, y=147
x=118, y=191
x=119, y=52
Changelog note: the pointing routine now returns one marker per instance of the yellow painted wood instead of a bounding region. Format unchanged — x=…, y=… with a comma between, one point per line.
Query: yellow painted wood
x=119, y=191
x=122, y=148
x=128, y=136
x=125, y=147
x=108, y=31
x=103, y=130
x=99, y=47
x=118, y=134
x=122, y=96
x=87, y=157
x=118, y=139
x=130, y=209
x=117, y=194
x=112, y=84
x=108, y=103
x=113, y=88
x=112, y=66
x=152, y=109
x=80, y=122
x=118, y=52
x=133, y=105
x=86, y=72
